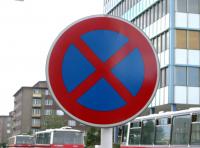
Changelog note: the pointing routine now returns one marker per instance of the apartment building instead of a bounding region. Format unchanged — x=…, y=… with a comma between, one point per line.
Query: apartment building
x=32, y=108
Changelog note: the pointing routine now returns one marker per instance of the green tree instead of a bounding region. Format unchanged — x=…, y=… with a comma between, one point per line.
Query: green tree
x=53, y=121
x=92, y=137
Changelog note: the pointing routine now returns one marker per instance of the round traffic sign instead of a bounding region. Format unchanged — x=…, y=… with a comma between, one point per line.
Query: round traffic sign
x=102, y=71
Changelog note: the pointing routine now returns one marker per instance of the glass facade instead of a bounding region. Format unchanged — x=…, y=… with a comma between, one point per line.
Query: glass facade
x=178, y=52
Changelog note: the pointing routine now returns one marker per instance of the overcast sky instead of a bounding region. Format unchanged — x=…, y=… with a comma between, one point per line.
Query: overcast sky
x=27, y=30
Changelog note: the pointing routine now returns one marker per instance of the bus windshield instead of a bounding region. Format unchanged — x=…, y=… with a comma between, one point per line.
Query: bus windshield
x=67, y=137
x=24, y=140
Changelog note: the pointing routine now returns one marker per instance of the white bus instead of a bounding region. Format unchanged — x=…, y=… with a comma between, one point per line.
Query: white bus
x=166, y=129
x=63, y=137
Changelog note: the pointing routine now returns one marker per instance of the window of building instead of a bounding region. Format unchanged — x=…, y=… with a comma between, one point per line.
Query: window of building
x=167, y=6
x=148, y=17
x=120, y=8
x=35, y=122
x=193, y=39
x=35, y=111
x=145, y=19
x=71, y=123
x=117, y=11
x=59, y=112
x=152, y=15
x=159, y=44
x=160, y=9
x=189, y=76
x=180, y=76
x=167, y=40
x=48, y=112
x=137, y=22
x=193, y=6
x=134, y=21
x=163, y=79
x=36, y=91
x=164, y=7
x=48, y=102
x=193, y=76
x=141, y=21
x=128, y=5
x=180, y=5
x=36, y=101
x=123, y=7
x=132, y=2
x=156, y=12
x=155, y=43
x=46, y=92
x=8, y=131
x=163, y=42
x=181, y=39
x=148, y=132
x=181, y=130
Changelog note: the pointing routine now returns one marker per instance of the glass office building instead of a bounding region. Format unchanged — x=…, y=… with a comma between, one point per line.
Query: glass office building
x=173, y=26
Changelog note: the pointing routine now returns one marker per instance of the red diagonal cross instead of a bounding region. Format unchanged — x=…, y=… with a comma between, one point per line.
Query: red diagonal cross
x=103, y=70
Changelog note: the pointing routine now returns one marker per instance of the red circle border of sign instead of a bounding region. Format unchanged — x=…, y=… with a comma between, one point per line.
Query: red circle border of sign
x=81, y=113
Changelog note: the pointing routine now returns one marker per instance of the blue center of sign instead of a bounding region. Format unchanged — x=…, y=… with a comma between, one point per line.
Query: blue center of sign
x=102, y=96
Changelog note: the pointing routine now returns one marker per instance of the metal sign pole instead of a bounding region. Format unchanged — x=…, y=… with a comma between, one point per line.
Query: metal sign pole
x=106, y=138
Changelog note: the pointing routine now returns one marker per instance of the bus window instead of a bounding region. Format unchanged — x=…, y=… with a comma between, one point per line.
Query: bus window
x=148, y=132
x=135, y=133
x=43, y=138
x=124, y=133
x=63, y=137
x=195, y=135
x=181, y=129
x=24, y=140
x=163, y=128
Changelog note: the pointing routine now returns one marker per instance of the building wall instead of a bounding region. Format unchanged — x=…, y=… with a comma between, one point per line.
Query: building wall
x=26, y=110
x=173, y=26
x=5, y=128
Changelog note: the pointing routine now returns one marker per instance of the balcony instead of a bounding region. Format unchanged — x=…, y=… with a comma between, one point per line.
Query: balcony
x=36, y=115
x=36, y=126
x=36, y=105
x=37, y=95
